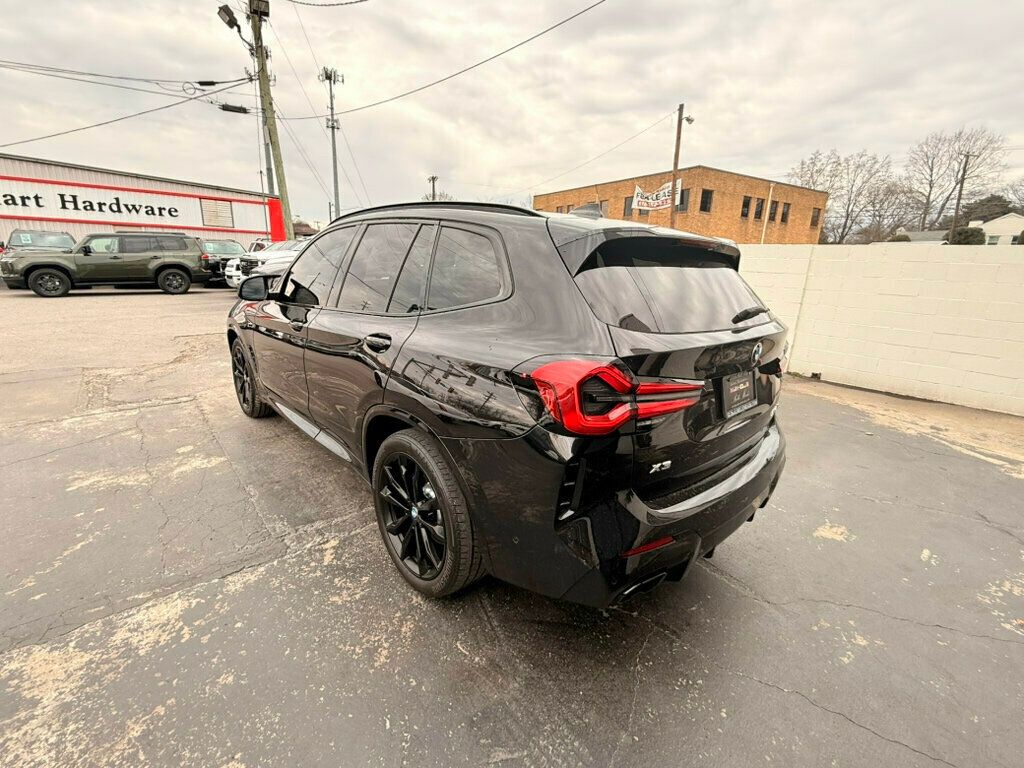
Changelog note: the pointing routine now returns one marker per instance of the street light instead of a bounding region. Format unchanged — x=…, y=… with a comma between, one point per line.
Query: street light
x=227, y=16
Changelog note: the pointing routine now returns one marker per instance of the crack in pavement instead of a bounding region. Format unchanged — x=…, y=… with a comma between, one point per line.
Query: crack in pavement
x=740, y=586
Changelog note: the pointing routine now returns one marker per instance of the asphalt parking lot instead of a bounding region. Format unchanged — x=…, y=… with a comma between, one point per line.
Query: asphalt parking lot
x=184, y=586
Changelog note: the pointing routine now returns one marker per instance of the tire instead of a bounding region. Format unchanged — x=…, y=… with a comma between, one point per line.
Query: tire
x=174, y=281
x=244, y=381
x=461, y=562
x=49, y=283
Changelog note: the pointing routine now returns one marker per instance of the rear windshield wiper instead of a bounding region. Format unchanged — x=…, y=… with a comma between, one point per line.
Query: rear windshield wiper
x=749, y=312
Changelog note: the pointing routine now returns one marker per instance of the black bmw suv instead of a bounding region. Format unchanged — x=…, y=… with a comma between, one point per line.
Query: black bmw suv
x=576, y=405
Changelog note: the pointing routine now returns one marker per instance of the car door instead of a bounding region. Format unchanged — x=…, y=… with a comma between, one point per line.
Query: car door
x=280, y=325
x=353, y=344
x=136, y=252
x=98, y=259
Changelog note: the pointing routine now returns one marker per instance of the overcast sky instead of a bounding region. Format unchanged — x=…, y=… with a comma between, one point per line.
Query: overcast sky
x=767, y=82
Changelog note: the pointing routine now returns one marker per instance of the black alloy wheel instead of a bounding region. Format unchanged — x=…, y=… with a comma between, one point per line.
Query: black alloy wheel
x=245, y=384
x=174, y=281
x=413, y=517
x=49, y=283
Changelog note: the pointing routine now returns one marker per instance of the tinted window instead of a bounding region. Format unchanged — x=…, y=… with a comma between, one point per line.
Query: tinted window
x=135, y=244
x=172, y=243
x=412, y=282
x=223, y=247
x=706, y=198
x=657, y=285
x=465, y=270
x=311, y=277
x=371, y=276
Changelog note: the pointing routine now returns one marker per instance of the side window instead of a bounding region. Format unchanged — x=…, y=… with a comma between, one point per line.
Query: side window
x=134, y=244
x=465, y=270
x=374, y=268
x=310, y=279
x=412, y=282
x=103, y=245
x=172, y=243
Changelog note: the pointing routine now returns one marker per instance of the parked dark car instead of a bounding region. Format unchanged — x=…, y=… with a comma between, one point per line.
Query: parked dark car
x=37, y=239
x=578, y=406
x=171, y=261
x=220, y=252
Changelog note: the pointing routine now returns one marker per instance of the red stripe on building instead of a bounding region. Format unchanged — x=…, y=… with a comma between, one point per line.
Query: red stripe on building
x=176, y=227
x=193, y=195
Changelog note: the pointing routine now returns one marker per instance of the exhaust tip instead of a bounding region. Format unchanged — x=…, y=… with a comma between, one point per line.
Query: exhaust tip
x=646, y=585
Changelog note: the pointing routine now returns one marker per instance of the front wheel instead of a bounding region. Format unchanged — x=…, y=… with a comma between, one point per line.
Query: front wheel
x=49, y=283
x=249, y=400
x=174, y=281
x=423, y=515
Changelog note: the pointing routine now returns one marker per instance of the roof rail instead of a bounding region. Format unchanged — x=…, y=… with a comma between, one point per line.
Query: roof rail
x=492, y=207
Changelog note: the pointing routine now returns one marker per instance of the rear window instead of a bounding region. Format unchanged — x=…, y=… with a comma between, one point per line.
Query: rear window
x=223, y=247
x=660, y=286
x=26, y=239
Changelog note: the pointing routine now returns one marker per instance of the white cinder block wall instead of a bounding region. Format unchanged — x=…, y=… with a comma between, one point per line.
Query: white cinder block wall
x=933, y=321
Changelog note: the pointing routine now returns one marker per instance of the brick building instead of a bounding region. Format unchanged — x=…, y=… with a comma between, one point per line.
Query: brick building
x=711, y=202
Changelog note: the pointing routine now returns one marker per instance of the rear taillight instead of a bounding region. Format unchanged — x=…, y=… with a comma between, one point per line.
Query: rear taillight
x=204, y=256
x=596, y=397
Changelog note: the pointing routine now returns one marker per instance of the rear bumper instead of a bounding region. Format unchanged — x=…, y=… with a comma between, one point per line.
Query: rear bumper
x=515, y=485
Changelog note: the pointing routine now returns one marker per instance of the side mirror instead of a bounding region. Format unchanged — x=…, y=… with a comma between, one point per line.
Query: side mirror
x=86, y=249
x=1, y=245
x=255, y=288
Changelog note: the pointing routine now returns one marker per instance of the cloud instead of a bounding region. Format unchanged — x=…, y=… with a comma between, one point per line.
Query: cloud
x=768, y=82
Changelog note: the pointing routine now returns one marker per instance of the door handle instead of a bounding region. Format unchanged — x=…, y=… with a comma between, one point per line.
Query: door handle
x=296, y=325
x=114, y=258
x=378, y=342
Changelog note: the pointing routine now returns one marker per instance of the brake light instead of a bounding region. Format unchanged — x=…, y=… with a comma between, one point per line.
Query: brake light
x=596, y=397
x=204, y=256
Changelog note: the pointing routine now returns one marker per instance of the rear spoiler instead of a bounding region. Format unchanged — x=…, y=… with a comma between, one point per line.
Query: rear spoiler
x=575, y=242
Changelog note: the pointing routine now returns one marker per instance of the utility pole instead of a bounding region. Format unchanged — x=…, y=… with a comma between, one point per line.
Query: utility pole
x=259, y=10
x=332, y=78
x=269, y=159
x=675, y=163
x=764, y=225
x=433, y=187
x=959, y=197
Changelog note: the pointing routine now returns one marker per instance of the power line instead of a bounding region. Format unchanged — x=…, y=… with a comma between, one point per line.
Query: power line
x=461, y=71
x=341, y=127
x=302, y=88
x=326, y=5
x=165, y=92
x=153, y=80
x=116, y=119
x=597, y=157
x=305, y=157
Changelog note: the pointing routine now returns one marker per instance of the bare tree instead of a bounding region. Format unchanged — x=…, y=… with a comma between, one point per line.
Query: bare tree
x=1014, y=192
x=442, y=196
x=934, y=166
x=854, y=184
x=891, y=205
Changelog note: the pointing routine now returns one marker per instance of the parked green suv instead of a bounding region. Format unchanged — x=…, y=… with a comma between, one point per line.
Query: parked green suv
x=173, y=262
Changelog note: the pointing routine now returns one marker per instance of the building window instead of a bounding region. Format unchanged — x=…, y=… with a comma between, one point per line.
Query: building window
x=560, y=209
x=773, y=210
x=759, y=208
x=627, y=207
x=684, y=200
x=568, y=209
x=644, y=213
x=993, y=239
x=604, y=207
x=815, y=217
x=745, y=210
x=217, y=213
x=785, y=213
x=706, y=198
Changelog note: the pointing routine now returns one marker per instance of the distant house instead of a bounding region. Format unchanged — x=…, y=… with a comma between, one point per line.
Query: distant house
x=302, y=229
x=924, y=237
x=1004, y=230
